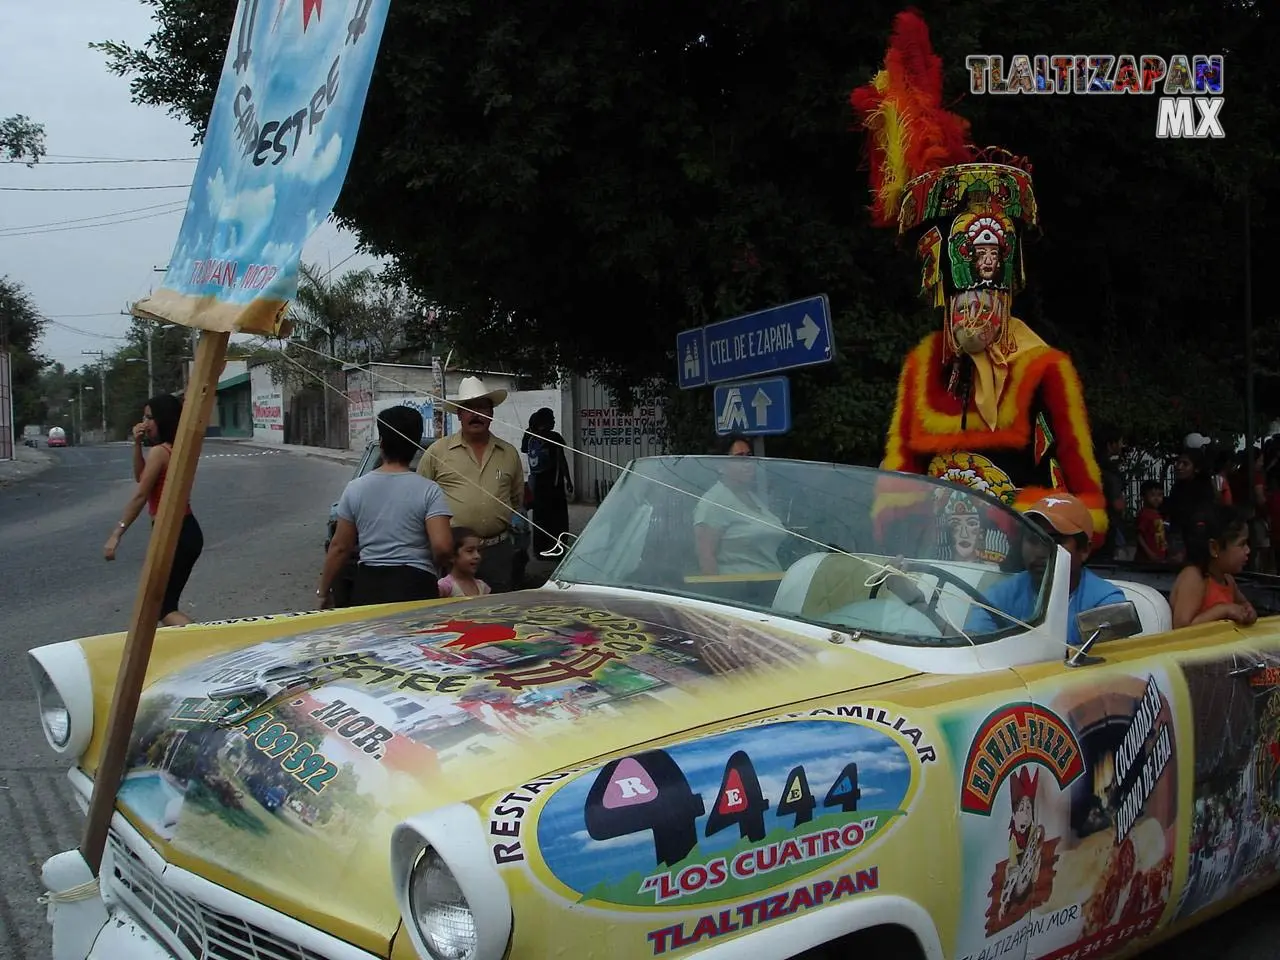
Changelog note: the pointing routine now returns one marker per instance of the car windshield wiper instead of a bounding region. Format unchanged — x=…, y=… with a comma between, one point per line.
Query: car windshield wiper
x=270, y=686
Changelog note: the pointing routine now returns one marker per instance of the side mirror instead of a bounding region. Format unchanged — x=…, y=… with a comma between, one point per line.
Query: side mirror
x=1112, y=621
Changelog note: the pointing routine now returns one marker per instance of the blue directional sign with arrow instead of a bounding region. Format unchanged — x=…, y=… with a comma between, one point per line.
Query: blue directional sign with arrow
x=781, y=338
x=757, y=408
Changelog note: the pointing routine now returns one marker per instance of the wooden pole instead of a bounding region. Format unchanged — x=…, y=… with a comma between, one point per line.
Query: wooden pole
x=197, y=405
x=1249, y=412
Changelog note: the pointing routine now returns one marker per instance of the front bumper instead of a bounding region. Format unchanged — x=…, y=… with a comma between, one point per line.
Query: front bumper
x=123, y=936
x=147, y=909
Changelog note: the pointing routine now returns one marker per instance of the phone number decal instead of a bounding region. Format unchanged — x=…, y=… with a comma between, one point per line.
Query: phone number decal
x=301, y=760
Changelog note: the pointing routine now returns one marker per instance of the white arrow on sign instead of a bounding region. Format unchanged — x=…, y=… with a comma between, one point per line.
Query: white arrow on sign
x=761, y=403
x=808, y=332
x=733, y=415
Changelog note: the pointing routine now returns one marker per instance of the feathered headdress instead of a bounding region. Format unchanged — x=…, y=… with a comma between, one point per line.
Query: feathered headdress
x=901, y=108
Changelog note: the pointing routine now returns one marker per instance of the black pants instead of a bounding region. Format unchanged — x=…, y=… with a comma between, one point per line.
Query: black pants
x=392, y=585
x=550, y=511
x=190, y=545
x=497, y=565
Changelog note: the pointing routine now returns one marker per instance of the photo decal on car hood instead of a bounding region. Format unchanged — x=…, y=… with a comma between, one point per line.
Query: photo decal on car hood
x=327, y=736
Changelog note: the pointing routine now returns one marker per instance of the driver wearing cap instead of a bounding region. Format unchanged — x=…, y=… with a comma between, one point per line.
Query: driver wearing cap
x=1067, y=521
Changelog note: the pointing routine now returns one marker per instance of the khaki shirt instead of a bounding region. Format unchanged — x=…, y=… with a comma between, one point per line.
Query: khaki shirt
x=477, y=492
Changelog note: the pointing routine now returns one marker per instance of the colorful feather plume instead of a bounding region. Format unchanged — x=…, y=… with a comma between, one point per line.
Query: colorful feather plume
x=909, y=132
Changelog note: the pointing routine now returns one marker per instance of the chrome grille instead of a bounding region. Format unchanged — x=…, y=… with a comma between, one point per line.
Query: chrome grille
x=189, y=927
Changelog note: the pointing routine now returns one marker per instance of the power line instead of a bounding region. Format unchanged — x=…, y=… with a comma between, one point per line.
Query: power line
x=74, y=316
x=55, y=163
x=158, y=186
x=83, y=333
x=96, y=157
x=106, y=223
x=101, y=216
x=339, y=263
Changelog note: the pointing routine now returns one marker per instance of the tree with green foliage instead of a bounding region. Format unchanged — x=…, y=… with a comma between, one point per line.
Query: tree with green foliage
x=577, y=187
x=21, y=139
x=355, y=318
x=20, y=328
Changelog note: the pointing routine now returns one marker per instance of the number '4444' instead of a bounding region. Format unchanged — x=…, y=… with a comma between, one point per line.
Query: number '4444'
x=649, y=791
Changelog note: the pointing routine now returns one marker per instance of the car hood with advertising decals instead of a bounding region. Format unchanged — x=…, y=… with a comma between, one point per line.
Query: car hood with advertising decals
x=706, y=837
x=290, y=792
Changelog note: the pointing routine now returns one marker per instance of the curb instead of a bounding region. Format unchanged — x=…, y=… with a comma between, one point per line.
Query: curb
x=16, y=471
x=318, y=453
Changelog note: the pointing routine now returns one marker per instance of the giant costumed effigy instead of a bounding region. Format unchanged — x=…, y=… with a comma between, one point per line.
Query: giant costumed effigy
x=984, y=401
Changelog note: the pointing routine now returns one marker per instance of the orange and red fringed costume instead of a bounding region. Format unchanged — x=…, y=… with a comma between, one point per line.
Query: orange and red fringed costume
x=983, y=401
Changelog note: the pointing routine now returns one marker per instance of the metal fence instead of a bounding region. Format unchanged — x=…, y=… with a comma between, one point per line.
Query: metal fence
x=1134, y=482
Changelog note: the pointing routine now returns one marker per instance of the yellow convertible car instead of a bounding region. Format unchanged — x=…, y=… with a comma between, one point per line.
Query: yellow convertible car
x=747, y=717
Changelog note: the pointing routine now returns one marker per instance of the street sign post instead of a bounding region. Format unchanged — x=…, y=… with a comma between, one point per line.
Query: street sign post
x=757, y=408
x=769, y=341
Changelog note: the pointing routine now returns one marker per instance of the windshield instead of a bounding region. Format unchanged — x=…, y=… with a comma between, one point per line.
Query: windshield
x=903, y=558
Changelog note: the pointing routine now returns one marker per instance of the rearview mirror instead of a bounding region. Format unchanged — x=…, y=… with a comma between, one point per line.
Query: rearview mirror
x=1111, y=621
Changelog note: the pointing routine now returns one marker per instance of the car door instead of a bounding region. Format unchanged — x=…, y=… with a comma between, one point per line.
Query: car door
x=1153, y=716
x=1232, y=679
x=1071, y=829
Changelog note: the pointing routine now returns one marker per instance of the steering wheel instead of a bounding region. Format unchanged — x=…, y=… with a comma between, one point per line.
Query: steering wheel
x=943, y=575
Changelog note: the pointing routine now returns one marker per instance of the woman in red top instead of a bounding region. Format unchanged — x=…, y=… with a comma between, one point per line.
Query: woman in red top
x=160, y=426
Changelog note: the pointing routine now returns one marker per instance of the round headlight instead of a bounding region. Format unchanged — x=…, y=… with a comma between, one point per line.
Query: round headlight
x=64, y=695
x=441, y=912
x=54, y=715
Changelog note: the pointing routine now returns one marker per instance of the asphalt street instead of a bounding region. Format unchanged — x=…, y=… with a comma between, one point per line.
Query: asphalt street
x=263, y=515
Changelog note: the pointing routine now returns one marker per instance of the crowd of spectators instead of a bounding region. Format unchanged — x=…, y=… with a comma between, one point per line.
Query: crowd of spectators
x=1155, y=504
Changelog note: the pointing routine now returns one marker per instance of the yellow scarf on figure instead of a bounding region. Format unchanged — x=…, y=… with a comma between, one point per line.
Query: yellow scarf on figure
x=991, y=367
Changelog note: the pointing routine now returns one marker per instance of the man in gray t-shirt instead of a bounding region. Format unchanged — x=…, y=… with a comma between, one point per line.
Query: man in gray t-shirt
x=398, y=520
x=390, y=511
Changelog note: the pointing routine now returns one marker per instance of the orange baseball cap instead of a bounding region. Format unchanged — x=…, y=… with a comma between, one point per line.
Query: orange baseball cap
x=1065, y=513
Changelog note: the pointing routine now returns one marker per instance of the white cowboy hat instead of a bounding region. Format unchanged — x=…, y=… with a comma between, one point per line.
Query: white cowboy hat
x=473, y=388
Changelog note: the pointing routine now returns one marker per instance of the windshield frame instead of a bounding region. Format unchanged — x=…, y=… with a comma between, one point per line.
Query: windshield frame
x=574, y=569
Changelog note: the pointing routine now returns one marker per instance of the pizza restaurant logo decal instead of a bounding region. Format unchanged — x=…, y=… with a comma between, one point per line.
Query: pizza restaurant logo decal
x=1013, y=735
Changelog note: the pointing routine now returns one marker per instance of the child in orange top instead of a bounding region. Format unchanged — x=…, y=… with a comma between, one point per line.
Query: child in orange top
x=1206, y=590
x=461, y=580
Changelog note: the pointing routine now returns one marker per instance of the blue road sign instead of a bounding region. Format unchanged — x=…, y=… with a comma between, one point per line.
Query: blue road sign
x=781, y=338
x=691, y=358
x=757, y=408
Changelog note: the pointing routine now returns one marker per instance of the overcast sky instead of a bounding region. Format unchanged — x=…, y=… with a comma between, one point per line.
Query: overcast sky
x=78, y=274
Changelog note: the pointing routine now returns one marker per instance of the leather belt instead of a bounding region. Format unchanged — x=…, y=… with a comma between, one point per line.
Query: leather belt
x=493, y=541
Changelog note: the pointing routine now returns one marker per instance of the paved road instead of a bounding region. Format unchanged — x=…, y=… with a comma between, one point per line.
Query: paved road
x=263, y=515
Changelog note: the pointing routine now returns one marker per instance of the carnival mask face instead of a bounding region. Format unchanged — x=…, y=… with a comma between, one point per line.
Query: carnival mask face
x=966, y=529
x=986, y=262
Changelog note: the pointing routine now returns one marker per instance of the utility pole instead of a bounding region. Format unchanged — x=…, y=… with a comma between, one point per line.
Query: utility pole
x=151, y=378
x=1249, y=412
x=102, y=380
x=80, y=404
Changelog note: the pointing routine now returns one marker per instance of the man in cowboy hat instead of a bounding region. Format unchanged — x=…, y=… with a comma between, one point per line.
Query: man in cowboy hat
x=482, y=479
